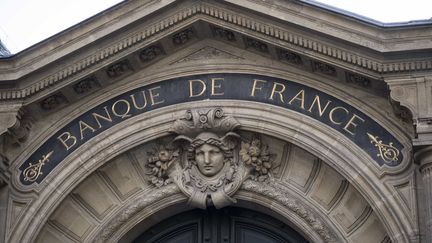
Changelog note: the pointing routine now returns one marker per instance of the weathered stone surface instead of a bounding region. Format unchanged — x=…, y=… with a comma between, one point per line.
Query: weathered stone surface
x=281, y=156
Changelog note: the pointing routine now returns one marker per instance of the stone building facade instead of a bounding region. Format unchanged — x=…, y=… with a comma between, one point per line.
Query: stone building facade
x=219, y=121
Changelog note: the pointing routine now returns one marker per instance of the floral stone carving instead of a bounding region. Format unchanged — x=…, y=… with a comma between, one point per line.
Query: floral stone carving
x=205, y=160
x=160, y=160
x=256, y=156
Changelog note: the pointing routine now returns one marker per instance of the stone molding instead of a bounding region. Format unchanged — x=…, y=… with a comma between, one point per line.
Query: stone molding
x=414, y=93
x=9, y=116
x=126, y=214
x=106, y=146
x=14, y=129
x=424, y=158
x=213, y=12
x=272, y=191
x=268, y=190
x=136, y=81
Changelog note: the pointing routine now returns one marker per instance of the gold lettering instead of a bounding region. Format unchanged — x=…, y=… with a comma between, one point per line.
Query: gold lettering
x=125, y=114
x=332, y=111
x=214, y=85
x=300, y=94
x=318, y=102
x=153, y=96
x=274, y=90
x=65, y=137
x=96, y=116
x=351, y=124
x=83, y=126
x=203, y=87
x=254, y=87
x=134, y=101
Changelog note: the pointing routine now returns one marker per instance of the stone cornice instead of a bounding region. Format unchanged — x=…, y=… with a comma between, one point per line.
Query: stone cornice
x=76, y=37
x=349, y=58
x=346, y=26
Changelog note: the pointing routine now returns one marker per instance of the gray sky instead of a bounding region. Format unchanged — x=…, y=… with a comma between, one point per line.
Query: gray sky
x=25, y=22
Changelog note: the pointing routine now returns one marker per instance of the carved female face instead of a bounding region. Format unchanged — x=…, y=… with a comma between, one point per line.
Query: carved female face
x=210, y=159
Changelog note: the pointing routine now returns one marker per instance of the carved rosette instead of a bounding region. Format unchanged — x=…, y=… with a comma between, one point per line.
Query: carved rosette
x=205, y=160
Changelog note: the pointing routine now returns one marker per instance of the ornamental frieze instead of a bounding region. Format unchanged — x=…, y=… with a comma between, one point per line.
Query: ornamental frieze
x=331, y=112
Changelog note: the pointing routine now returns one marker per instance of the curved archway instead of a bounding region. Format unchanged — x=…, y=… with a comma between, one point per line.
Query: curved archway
x=281, y=127
x=338, y=152
x=229, y=224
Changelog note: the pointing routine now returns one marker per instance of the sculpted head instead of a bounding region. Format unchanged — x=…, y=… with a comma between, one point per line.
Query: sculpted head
x=209, y=159
x=210, y=153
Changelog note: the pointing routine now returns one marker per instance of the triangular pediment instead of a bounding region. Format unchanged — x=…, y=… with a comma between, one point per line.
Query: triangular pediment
x=132, y=38
x=127, y=29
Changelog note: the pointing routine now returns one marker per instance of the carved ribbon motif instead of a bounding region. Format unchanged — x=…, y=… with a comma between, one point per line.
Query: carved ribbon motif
x=32, y=172
x=388, y=153
x=205, y=161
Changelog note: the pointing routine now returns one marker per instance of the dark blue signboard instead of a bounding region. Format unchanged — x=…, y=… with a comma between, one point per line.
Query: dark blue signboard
x=382, y=146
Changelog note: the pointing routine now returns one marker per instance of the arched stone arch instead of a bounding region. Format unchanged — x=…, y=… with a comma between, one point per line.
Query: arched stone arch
x=339, y=153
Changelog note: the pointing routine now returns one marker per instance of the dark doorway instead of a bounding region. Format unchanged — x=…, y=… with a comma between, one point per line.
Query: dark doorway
x=226, y=225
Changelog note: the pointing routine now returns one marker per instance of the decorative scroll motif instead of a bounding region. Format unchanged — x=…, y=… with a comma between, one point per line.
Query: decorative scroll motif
x=85, y=85
x=324, y=68
x=203, y=160
x=33, y=171
x=388, y=153
x=223, y=33
x=150, y=53
x=19, y=132
x=290, y=57
x=358, y=80
x=255, y=44
x=197, y=121
x=183, y=37
x=118, y=69
x=53, y=102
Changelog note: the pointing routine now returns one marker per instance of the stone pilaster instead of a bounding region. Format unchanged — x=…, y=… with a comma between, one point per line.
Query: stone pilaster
x=424, y=158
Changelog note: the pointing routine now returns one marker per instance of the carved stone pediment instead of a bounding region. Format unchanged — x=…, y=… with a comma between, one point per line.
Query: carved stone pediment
x=207, y=159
